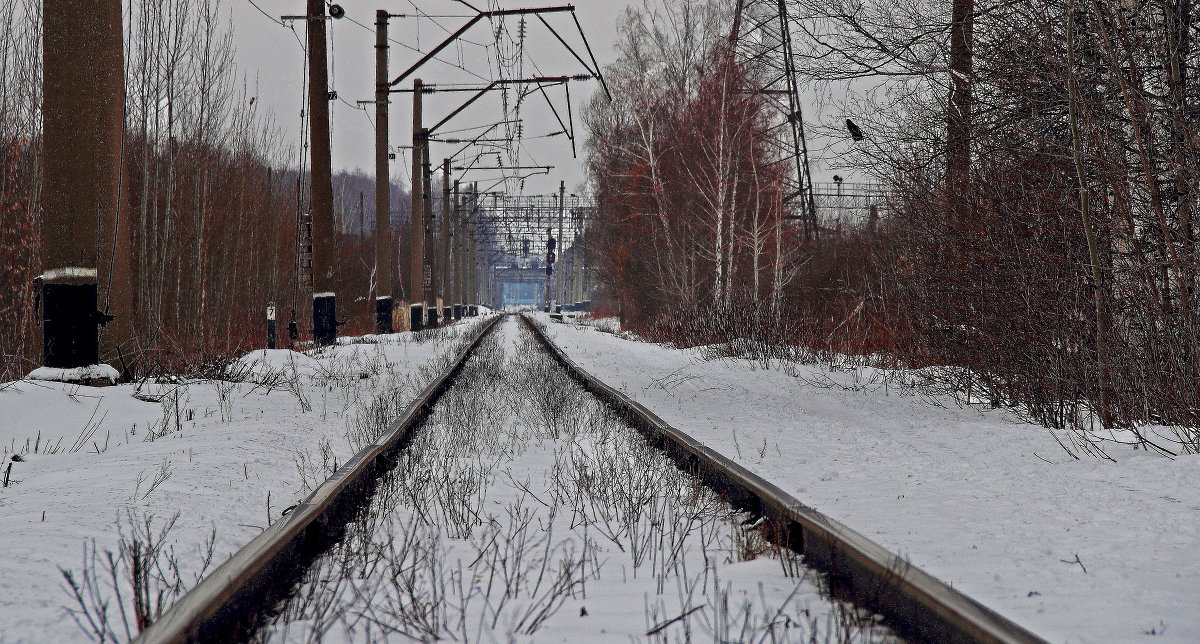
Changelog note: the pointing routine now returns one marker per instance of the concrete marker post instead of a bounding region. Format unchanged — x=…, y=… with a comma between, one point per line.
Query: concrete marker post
x=271, y=337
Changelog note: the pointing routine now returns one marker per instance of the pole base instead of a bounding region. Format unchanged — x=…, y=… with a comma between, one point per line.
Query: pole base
x=70, y=321
x=96, y=375
x=458, y=311
x=432, y=317
x=324, y=319
x=383, y=314
x=416, y=317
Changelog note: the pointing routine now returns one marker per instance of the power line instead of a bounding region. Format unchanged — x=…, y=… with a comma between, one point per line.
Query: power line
x=418, y=51
x=278, y=22
x=431, y=17
x=269, y=16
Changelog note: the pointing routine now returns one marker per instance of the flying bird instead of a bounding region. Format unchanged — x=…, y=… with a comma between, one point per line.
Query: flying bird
x=856, y=133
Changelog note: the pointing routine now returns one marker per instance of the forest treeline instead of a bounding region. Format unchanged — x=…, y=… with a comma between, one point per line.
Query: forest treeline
x=1040, y=161
x=211, y=189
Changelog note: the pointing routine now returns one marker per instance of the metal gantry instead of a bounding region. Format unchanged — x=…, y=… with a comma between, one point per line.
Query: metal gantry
x=514, y=233
x=844, y=205
x=436, y=243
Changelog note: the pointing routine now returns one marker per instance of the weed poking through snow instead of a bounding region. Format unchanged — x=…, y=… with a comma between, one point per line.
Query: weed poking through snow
x=520, y=496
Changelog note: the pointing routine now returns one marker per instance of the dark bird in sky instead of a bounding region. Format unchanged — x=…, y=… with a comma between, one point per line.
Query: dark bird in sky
x=855, y=132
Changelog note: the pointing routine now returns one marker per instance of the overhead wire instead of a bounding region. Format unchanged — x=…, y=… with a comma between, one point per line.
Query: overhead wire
x=269, y=16
x=279, y=22
x=473, y=127
x=432, y=18
x=333, y=85
x=418, y=50
x=303, y=148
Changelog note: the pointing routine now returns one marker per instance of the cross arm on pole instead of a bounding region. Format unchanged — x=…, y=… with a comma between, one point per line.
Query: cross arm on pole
x=471, y=23
x=547, y=168
x=489, y=87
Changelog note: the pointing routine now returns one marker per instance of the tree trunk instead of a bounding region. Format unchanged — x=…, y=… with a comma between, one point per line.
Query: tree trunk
x=958, y=116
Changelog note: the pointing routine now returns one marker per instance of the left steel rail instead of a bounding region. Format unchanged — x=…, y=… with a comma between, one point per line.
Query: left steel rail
x=229, y=603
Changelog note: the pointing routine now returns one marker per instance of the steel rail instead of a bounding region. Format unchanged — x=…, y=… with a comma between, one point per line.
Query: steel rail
x=914, y=603
x=227, y=603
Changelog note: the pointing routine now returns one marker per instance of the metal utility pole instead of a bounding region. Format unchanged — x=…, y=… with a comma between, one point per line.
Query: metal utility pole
x=324, y=297
x=383, y=183
x=444, y=245
x=562, y=245
x=416, y=235
x=85, y=231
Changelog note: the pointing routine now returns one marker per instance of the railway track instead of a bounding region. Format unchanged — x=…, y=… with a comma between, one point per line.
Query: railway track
x=424, y=484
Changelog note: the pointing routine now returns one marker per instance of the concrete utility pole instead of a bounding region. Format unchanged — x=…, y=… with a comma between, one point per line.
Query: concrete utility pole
x=562, y=243
x=85, y=229
x=473, y=247
x=459, y=232
x=444, y=245
x=580, y=258
x=324, y=297
x=383, y=183
x=548, y=285
x=416, y=235
x=958, y=114
x=430, y=242
x=362, y=214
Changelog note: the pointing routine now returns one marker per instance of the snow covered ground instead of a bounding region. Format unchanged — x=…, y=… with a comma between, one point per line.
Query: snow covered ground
x=524, y=510
x=227, y=457
x=1075, y=550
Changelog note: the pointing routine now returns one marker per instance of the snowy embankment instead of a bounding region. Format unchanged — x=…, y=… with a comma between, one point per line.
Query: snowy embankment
x=227, y=457
x=1075, y=550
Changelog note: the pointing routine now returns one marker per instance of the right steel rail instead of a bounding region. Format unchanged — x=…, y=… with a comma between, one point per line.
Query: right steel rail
x=914, y=603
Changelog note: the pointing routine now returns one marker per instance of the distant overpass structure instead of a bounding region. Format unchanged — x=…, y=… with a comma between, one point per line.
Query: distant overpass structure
x=519, y=285
x=514, y=233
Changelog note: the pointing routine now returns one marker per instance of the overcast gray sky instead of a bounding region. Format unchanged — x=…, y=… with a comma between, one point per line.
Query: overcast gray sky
x=272, y=56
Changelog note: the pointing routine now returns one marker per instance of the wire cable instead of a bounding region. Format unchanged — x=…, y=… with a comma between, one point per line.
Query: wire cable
x=278, y=22
x=269, y=16
x=418, y=51
x=430, y=17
